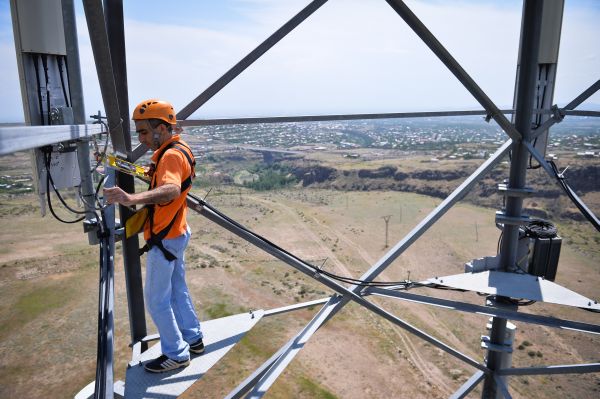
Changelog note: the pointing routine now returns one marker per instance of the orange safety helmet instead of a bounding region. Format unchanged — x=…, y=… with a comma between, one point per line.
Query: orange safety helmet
x=155, y=109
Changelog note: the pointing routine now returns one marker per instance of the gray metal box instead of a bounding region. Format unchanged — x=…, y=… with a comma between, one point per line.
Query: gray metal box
x=44, y=32
x=64, y=169
x=544, y=259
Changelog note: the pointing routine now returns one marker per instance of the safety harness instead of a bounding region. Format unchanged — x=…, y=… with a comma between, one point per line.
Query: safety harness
x=156, y=239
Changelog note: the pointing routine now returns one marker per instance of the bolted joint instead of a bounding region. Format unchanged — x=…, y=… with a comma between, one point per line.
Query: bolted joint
x=557, y=113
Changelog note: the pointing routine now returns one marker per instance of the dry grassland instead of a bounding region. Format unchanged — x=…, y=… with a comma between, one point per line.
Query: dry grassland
x=48, y=299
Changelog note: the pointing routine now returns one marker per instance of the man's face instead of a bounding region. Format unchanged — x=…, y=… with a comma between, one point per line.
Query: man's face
x=146, y=134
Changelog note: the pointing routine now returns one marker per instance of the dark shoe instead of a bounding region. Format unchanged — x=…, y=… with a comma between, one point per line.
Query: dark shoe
x=197, y=347
x=163, y=363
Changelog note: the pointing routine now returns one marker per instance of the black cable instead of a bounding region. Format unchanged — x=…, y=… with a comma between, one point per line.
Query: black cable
x=62, y=80
x=540, y=228
x=562, y=181
x=513, y=301
x=47, y=156
x=591, y=310
x=39, y=87
x=49, y=176
x=499, y=242
x=316, y=269
x=45, y=65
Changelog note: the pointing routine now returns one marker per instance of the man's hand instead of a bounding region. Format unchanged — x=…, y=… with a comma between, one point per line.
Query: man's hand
x=159, y=195
x=114, y=195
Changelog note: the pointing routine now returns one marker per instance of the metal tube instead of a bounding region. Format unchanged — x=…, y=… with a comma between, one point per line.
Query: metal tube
x=77, y=104
x=468, y=386
x=438, y=49
x=94, y=14
x=569, y=107
x=436, y=214
x=488, y=311
x=73, y=65
x=249, y=59
x=291, y=308
x=104, y=362
x=335, y=117
x=131, y=258
x=524, y=96
x=587, y=93
x=115, y=30
x=558, y=369
x=19, y=138
x=253, y=378
x=583, y=113
x=295, y=345
x=502, y=387
x=576, y=200
x=295, y=262
x=415, y=233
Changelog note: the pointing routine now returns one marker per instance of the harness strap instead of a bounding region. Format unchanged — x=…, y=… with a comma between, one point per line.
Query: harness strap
x=156, y=239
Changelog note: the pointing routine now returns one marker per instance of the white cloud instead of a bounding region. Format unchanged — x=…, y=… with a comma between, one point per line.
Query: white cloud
x=349, y=56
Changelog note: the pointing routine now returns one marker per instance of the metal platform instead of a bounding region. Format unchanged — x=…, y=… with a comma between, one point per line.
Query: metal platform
x=220, y=336
x=513, y=285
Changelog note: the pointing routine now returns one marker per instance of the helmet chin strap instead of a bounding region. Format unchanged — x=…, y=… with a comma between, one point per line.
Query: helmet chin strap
x=156, y=139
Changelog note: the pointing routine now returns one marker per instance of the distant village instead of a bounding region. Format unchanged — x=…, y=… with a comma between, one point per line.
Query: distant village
x=455, y=138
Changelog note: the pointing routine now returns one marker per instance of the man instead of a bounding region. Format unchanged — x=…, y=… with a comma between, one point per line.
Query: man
x=167, y=235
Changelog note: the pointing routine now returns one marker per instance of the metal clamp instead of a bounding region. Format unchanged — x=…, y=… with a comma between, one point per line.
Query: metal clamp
x=557, y=113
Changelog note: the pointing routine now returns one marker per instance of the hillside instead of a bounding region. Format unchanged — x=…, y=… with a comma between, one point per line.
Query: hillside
x=48, y=278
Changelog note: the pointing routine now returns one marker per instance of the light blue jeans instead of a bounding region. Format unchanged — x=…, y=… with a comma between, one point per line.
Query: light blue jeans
x=168, y=300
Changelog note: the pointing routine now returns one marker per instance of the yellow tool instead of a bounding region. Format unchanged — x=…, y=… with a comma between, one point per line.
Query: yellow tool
x=126, y=167
x=136, y=222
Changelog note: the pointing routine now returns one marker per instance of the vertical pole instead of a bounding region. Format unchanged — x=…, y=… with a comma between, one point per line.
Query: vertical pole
x=387, y=221
x=113, y=12
x=524, y=97
x=76, y=103
x=104, y=385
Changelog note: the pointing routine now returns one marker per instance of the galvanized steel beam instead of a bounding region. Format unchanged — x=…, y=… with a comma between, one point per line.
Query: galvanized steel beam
x=20, y=138
x=531, y=27
x=440, y=51
x=292, y=348
x=558, y=369
x=249, y=59
x=113, y=17
x=468, y=386
x=437, y=213
x=297, y=306
x=334, y=117
x=206, y=211
x=488, y=311
x=502, y=387
x=568, y=109
x=94, y=15
x=420, y=229
x=579, y=203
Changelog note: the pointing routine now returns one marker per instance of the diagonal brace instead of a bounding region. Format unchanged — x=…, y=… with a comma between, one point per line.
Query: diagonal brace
x=249, y=59
x=420, y=229
x=444, y=55
x=580, y=205
x=569, y=107
x=210, y=213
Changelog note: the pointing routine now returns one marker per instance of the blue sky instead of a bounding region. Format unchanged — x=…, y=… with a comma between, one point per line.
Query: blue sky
x=351, y=56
